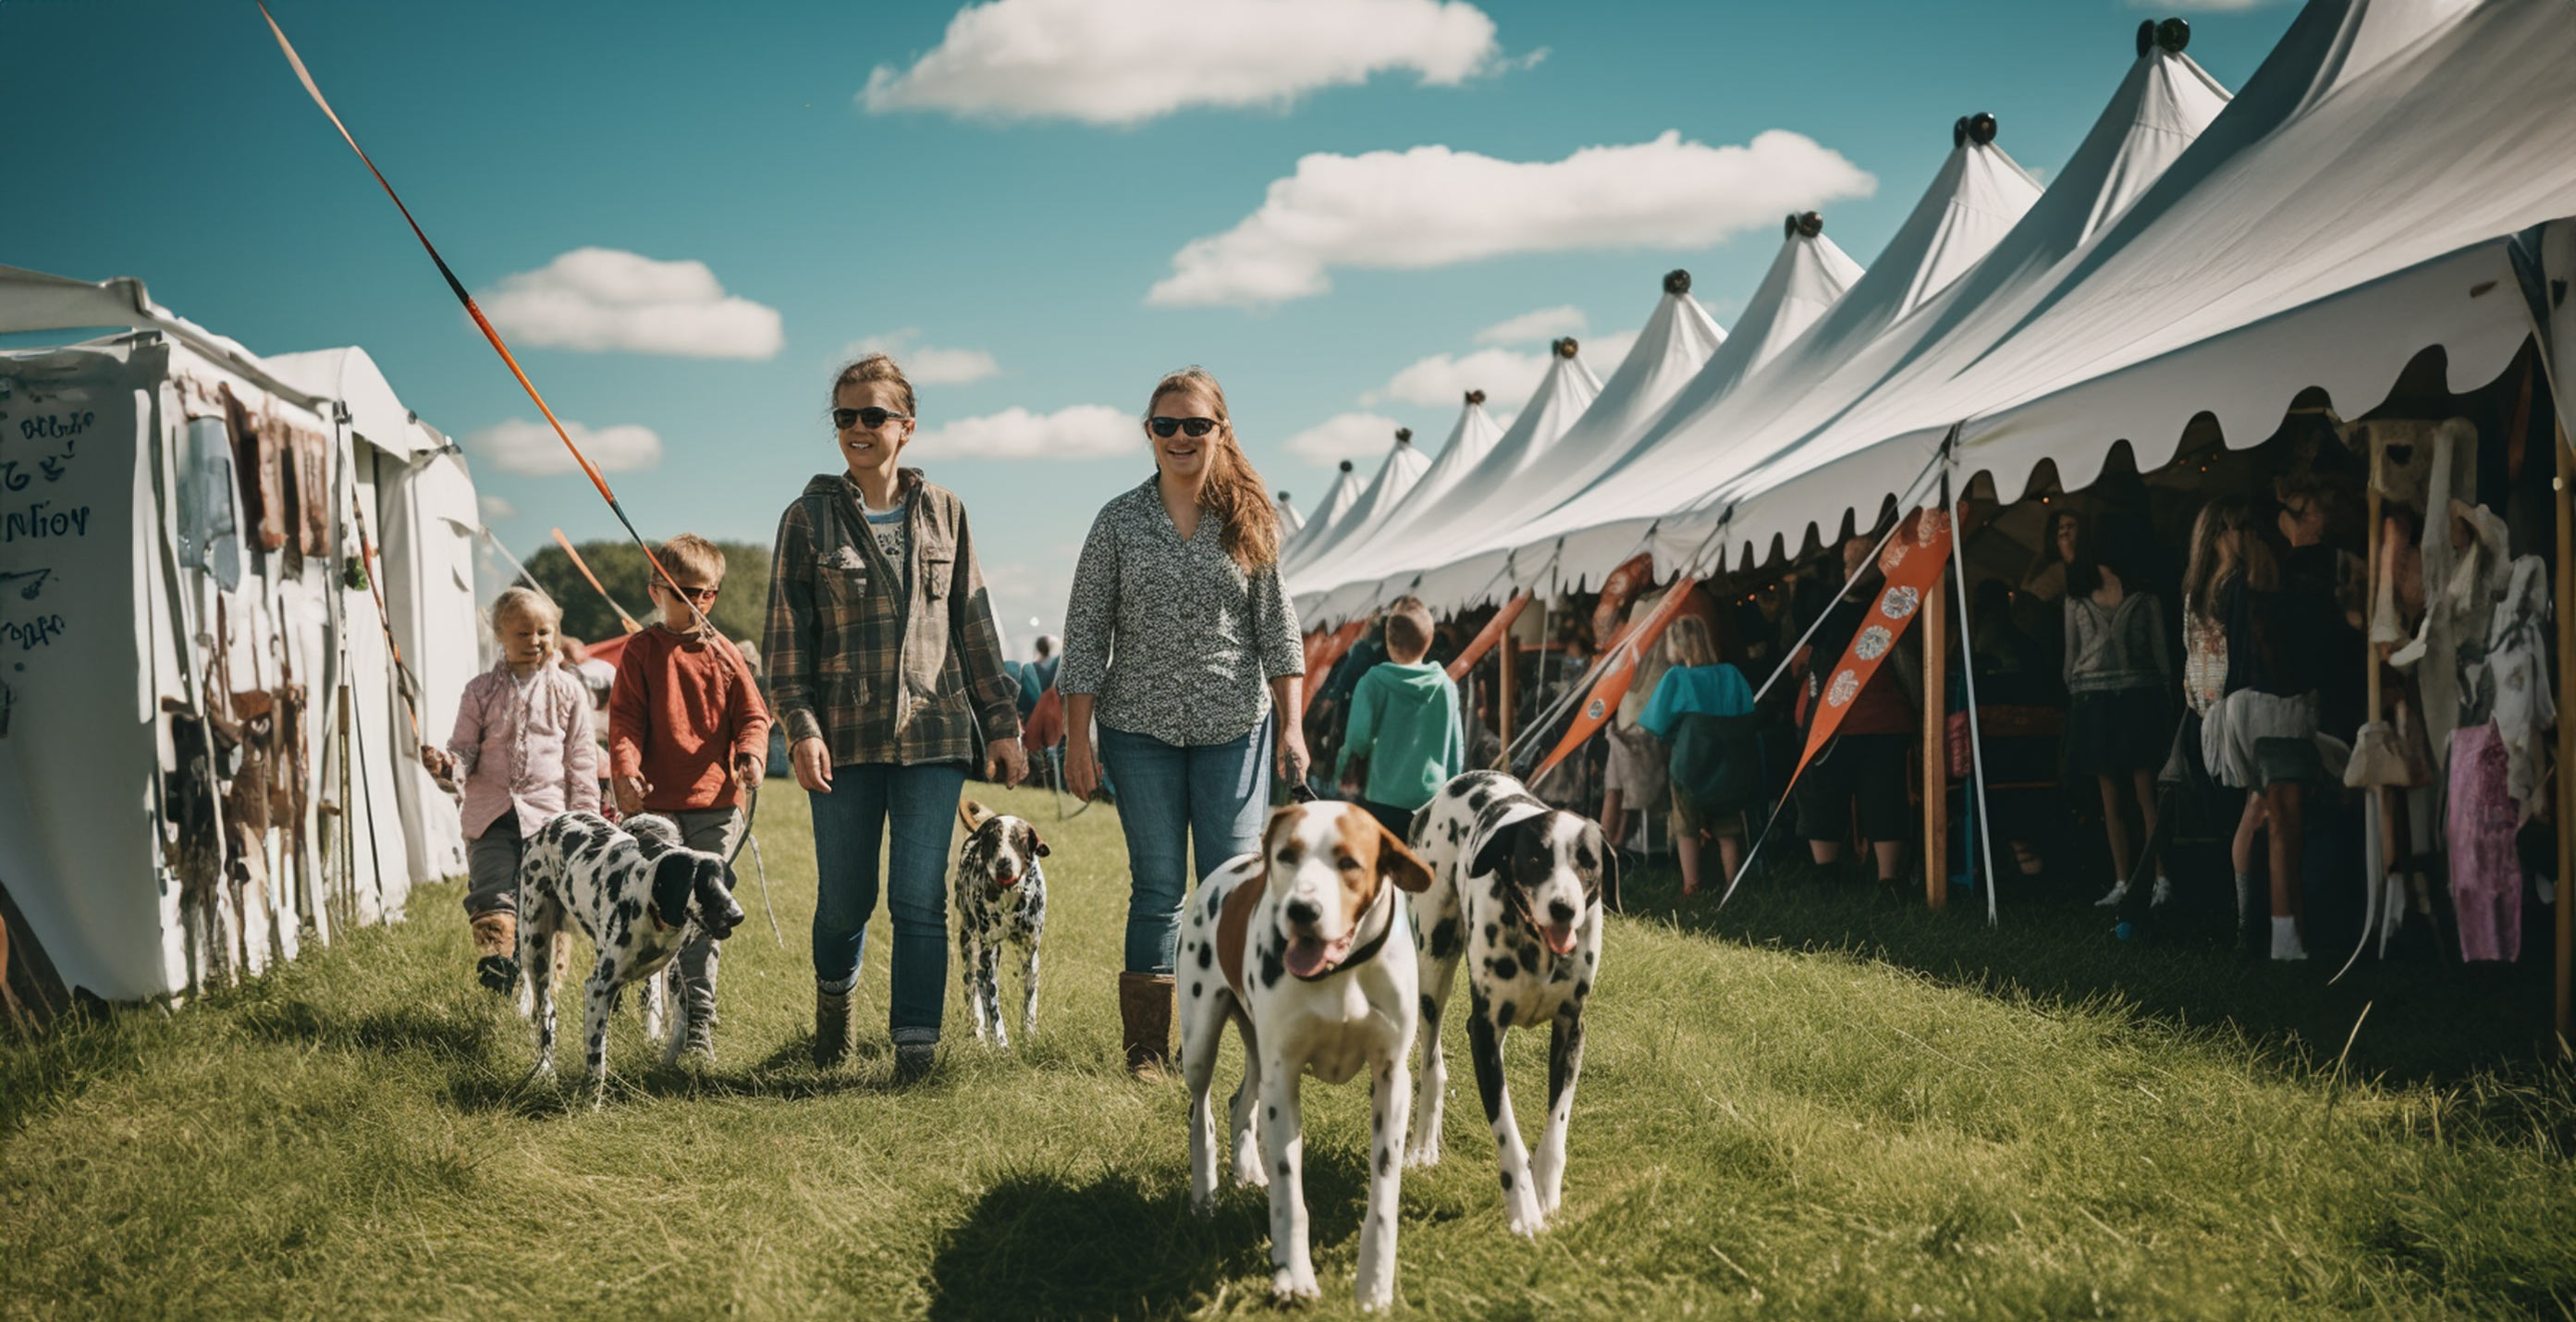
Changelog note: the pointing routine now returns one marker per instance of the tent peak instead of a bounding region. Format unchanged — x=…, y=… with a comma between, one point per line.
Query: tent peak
x=2169, y=36
x=1346, y=465
x=1808, y=223
x=1978, y=128
x=1677, y=281
x=1564, y=347
x=1404, y=436
x=1475, y=398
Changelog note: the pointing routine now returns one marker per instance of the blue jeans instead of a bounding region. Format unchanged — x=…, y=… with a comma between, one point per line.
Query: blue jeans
x=1172, y=797
x=849, y=827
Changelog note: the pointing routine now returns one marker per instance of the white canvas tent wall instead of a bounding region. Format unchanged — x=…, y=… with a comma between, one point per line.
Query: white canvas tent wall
x=1290, y=517
x=1475, y=449
x=1403, y=466
x=2361, y=200
x=81, y=817
x=1977, y=195
x=1531, y=470
x=425, y=520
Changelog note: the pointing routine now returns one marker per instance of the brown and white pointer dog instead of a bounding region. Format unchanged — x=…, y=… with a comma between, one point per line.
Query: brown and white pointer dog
x=1305, y=948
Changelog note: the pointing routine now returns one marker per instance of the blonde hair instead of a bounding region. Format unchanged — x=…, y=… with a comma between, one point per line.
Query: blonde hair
x=1234, y=491
x=873, y=367
x=1686, y=641
x=528, y=602
x=697, y=555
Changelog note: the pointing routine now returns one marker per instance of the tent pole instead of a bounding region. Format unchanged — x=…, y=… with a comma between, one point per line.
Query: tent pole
x=1936, y=767
x=1976, y=737
x=2565, y=909
x=1505, y=664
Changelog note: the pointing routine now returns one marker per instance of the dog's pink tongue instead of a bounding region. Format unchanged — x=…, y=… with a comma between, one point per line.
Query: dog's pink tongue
x=1559, y=937
x=1308, y=956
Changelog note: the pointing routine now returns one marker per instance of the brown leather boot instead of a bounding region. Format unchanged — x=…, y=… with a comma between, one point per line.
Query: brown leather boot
x=496, y=949
x=1145, y=1017
x=831, y=1027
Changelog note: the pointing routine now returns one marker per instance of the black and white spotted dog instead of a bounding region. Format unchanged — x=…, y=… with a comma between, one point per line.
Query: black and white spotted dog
x=639, y=895
x=1516, y=891
x=999, y=893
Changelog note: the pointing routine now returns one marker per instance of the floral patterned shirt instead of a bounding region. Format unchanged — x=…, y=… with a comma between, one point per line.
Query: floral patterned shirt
x=1176, y=641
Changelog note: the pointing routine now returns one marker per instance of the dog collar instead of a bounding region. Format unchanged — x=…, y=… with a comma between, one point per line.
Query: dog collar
x=1367, y=950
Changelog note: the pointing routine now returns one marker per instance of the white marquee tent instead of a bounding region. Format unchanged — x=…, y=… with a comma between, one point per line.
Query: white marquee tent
x=147, y=591
x=1337, y=501
x=1403, y=466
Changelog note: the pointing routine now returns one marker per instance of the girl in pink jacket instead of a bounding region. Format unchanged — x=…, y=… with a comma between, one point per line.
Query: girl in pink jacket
x=524, y=750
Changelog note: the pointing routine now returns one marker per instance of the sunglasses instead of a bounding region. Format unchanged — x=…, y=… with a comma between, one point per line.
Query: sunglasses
x=870, y=417
x=1164, y=427
x=693, y=594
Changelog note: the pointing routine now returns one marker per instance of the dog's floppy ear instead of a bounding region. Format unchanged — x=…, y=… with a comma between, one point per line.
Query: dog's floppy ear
x=717, y=911
x=1496, y=848
x=1037, y=843
x=1396, y=861
x=674, y=876
x=973, y=814
x=1270, y=830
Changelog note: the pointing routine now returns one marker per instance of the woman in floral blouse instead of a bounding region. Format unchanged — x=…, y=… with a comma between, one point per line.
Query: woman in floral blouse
x=1181, y=641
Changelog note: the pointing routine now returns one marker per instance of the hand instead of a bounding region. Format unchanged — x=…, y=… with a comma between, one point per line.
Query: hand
x=1081, y=771
x=748, y=768
x=1292, y=756
x=1006, y=761
x=437, y=761
x=630, y=791
x=812, y=763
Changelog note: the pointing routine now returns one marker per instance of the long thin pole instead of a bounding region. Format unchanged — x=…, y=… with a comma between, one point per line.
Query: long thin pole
x=1936, y=765
x=1968, y=672
x=2566, y=906
x=584, y=566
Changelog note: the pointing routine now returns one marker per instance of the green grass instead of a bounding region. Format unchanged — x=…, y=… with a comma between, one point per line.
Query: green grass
x=1817, y=1106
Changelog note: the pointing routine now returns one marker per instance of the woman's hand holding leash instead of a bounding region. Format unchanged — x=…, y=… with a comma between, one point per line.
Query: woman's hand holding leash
x=1006, y=762
x=1292, y=755
x=1081, y=769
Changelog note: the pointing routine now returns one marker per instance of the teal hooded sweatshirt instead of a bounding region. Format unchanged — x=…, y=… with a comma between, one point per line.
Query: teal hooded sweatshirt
x=1404, y=720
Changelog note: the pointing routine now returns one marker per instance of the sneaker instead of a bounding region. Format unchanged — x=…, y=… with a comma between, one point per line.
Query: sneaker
x=2162, y=895
x=2111, y=898
x=2285, y=940
x=913, y=1060
x=499, y=974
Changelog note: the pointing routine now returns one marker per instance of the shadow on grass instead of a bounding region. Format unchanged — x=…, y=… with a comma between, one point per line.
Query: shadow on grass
x=2431, y=1018
x=1037, y=1244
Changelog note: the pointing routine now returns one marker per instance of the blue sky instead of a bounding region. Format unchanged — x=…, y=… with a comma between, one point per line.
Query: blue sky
x=168, y=141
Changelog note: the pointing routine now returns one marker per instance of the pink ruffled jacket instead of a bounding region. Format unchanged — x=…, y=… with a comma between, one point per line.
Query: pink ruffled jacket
x=525, y=751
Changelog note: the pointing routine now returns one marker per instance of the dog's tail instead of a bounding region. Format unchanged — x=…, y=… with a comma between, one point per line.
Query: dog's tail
x=974, y=814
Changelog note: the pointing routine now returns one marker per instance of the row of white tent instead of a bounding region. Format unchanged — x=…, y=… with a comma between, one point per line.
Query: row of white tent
x=2397, y=175
x=137, y=596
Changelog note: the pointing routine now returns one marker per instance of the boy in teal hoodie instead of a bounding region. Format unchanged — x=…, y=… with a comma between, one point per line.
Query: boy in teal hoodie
x=1404, y=722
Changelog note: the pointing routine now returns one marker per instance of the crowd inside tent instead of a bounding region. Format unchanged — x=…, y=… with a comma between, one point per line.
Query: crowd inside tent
x=2233, y=461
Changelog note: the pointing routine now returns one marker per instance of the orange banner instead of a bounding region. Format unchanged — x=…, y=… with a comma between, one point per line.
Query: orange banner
x=1609, y=681
x=1486, y=637
x=1912, y=560
x=1334, y=649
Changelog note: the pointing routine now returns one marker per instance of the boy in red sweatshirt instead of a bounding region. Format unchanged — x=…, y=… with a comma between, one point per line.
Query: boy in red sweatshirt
x=687, y=736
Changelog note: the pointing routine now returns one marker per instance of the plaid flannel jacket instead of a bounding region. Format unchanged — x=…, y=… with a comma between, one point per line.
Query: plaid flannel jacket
x=877, y=673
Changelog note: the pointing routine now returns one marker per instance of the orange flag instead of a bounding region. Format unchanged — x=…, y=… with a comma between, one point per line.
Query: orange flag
x=1486, y=637
x=1912, y=560
x=1334, y=649
x=1610, y=680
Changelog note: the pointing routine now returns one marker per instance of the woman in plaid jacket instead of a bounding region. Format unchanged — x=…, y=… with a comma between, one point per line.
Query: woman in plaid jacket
x=886, y=671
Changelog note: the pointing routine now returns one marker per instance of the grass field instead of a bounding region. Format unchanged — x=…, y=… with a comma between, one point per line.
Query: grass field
x=1819, y=1105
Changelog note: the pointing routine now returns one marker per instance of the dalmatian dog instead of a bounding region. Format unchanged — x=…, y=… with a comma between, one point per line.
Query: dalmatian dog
x=999, y=893
x=639, y=896
x=1516, y=890
x=1303, y=948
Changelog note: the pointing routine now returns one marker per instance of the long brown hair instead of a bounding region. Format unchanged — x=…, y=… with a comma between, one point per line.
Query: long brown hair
x=2203, y=573
x=1234, y=491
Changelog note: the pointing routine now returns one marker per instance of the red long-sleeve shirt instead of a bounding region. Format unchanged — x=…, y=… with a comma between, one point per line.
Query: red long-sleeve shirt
x=681, y=709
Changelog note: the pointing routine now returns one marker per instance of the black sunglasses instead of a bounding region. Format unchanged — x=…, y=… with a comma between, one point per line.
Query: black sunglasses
x=870, y=417
x=1164, y=427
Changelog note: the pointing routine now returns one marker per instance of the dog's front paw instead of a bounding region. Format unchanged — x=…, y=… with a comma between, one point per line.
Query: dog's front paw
x=1249, y=1172
x=1288, y=1286
x=1377, y=1300
x=1421, y=1153
x=1527, y=1224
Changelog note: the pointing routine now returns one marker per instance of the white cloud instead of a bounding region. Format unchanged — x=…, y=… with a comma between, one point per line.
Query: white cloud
x=531, y=449
x=1084, y=431
x=494, y=508
x=924, y=364
x=1507, y=376
x=1604, y=352
x=1343, y=436
x=2202, y=6
x=1127, y=61
x=1432, y=206
x=602, y=299
x=1528, y=327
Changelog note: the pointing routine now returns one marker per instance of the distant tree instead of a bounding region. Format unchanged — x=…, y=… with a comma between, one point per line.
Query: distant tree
x=739, y=611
